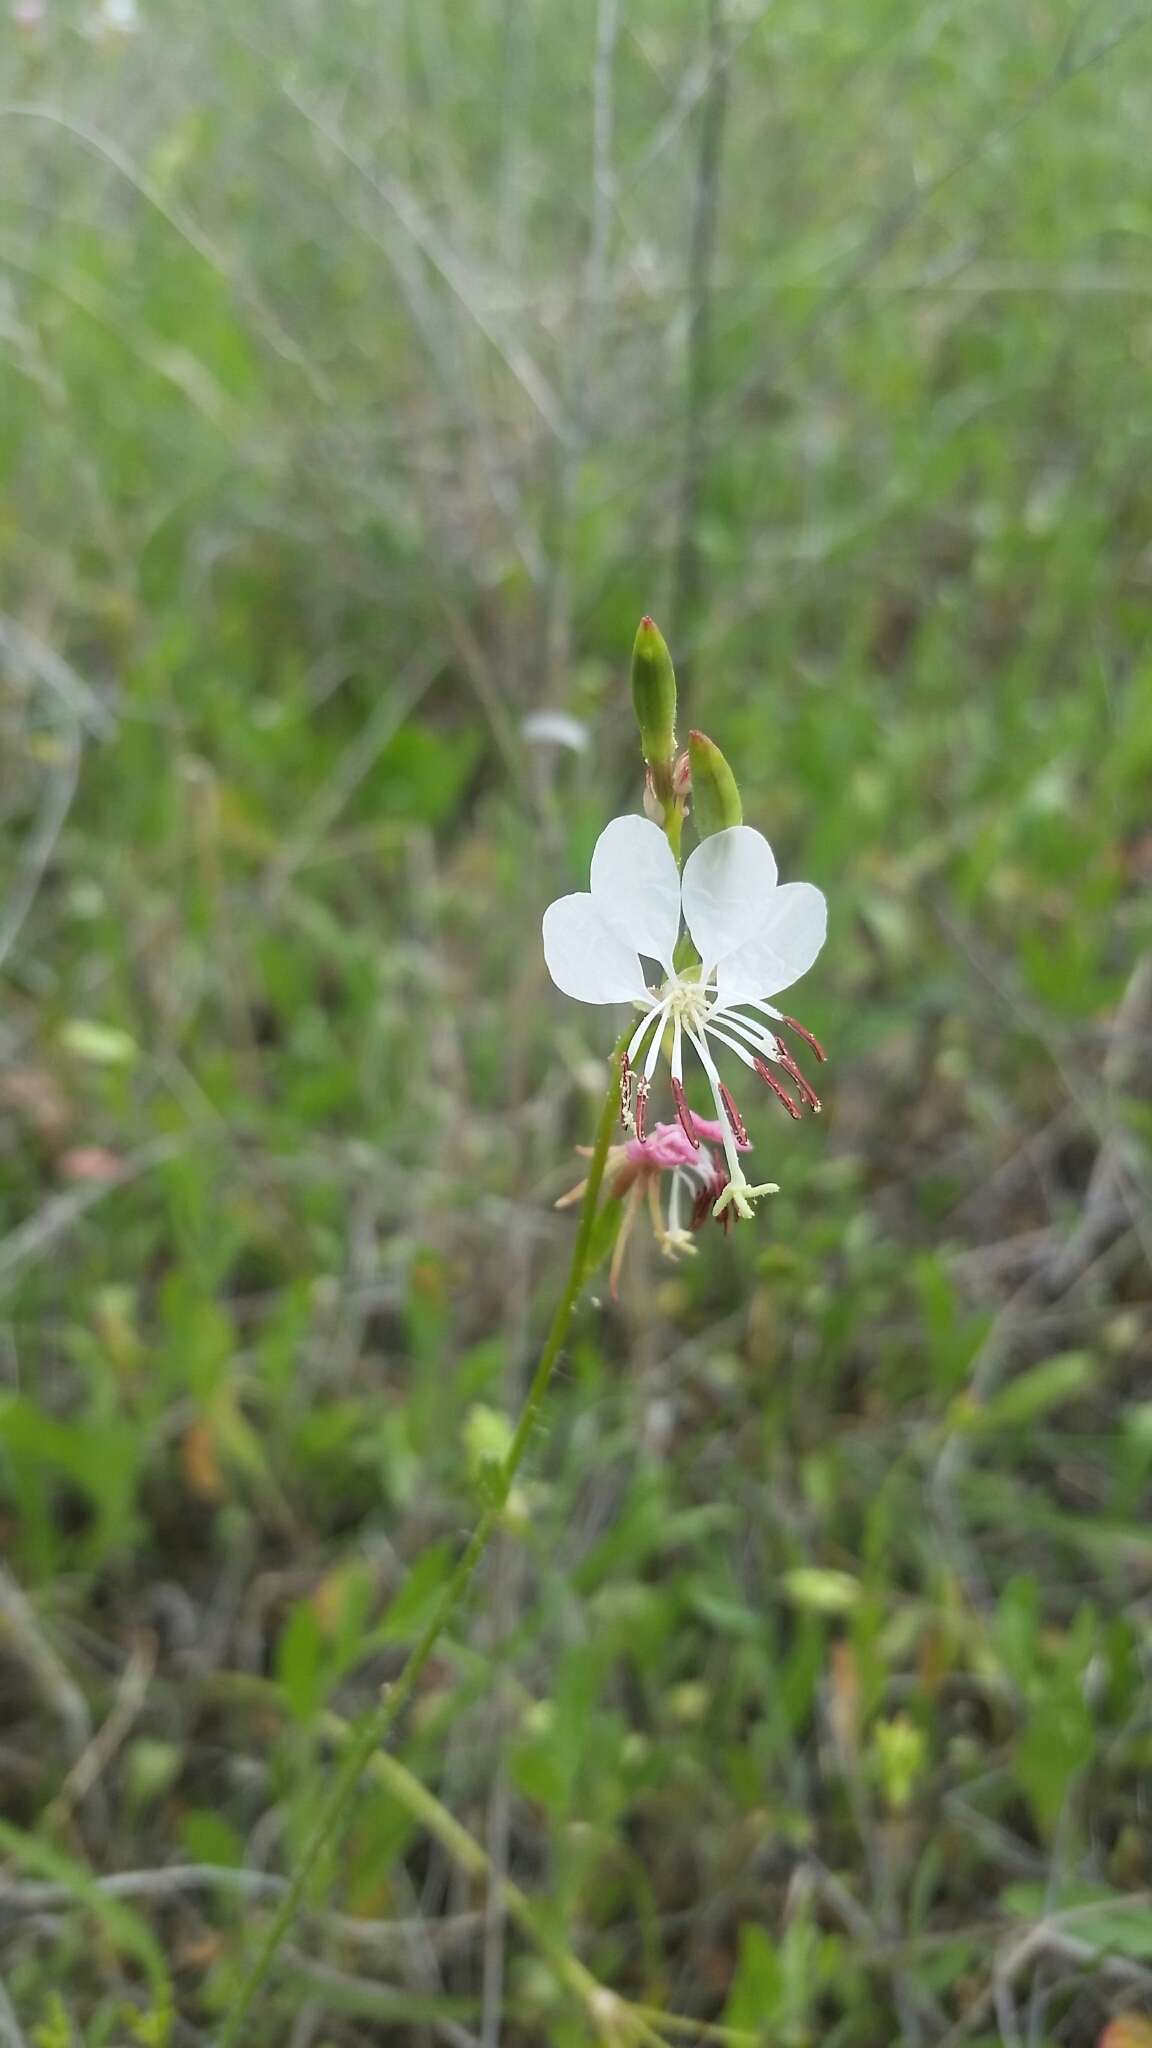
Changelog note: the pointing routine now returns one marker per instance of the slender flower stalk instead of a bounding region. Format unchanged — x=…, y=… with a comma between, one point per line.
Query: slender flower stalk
x=744, y=940
x=378, y=1725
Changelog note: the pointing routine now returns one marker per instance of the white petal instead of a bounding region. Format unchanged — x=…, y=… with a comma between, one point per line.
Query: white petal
x=635, y=886
x=585, y=959
x=728, y=882
x=780, y=951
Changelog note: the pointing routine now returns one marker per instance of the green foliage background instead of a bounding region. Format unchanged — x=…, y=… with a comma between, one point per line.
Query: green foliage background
x=357, y=371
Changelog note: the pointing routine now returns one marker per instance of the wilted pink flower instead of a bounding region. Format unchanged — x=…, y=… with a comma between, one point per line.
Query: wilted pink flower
x=633, y=1172
x=91, y=1162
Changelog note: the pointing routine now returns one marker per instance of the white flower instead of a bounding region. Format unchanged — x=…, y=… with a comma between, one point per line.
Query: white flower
x=753, y=937
x=555, y=729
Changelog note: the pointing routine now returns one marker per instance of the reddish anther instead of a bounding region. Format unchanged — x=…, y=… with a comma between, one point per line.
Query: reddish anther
x=642, y=1087
x=627, y=1081
x=801, y=1079
x=683, y=1112
x=734, y=1116
x=777, y=1087
x=817, y=1048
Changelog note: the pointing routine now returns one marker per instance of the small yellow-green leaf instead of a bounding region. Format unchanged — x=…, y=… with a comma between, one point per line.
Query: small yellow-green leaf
x=487, y=1436
x=104, y=1045
x=821, y=1591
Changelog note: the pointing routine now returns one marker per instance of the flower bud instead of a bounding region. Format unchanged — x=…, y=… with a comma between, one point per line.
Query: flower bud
x=654, y=696
x=715, y=798
x=653, y=808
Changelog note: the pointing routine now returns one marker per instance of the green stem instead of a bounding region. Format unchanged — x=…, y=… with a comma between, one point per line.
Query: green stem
x=379, y=1724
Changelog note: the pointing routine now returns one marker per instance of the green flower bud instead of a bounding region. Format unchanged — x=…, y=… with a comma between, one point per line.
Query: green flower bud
x=654, y=696
x=715, y=798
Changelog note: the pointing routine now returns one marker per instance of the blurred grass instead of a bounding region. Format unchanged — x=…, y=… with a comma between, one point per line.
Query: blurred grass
x=343, y=422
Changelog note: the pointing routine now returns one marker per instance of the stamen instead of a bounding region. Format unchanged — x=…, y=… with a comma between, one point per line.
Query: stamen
x=643, y=1089
x=714, y=1030
x=806, y=1035
x=734, y=1116
x=731, y=1155
x=627, y=1086
x=801, y=1079
x=656, y=1009
x=654, y=1048
x=748, y=1032
x=781, y=1093
x=677, y=1062
x=684, y=1113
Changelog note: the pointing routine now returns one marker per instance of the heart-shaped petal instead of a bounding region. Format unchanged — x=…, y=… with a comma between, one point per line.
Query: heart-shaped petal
x=728, y=882
x=585, y=958
x=635, y=886
x=782, y=948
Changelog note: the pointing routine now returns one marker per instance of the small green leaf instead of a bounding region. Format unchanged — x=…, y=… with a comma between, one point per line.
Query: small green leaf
x=418, y=1595
x=1030, y=1396
x=124, y=1928
x=755, y=1993
x=1057, y=1742
x=209, y=1838
x=604, y=1231
x=299, y=1660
